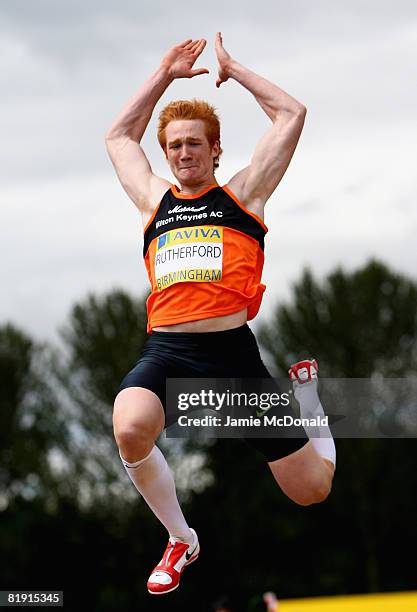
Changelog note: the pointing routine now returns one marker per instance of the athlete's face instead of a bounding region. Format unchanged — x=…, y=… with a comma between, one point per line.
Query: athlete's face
x=188, y=151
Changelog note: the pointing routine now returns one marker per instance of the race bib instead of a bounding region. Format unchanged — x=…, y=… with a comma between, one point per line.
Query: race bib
x=189, y=254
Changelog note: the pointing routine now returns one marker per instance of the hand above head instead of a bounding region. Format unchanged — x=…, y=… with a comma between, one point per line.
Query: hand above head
x=224, y=59
x=179, y=60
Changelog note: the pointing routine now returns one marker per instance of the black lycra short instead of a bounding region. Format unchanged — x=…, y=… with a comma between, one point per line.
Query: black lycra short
x=232, y=353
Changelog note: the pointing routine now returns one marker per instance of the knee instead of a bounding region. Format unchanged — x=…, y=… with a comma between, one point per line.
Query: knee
x=134, y=442
x=314, y=493
x=134, y=434
x=315, y=496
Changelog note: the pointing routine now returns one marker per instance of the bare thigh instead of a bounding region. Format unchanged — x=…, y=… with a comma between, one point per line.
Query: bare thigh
x=304, y=476
x=138, y=420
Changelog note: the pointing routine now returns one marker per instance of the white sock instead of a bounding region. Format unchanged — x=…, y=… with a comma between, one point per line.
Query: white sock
x=310, y=406
x=154, y=480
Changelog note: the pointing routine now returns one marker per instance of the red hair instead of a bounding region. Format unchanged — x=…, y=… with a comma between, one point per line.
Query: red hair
x=191, y=109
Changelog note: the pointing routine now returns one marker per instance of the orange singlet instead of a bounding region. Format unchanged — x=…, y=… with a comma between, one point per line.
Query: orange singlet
x=204, y=255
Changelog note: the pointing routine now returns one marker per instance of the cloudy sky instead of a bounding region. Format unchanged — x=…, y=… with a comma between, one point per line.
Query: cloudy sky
x=67, y=68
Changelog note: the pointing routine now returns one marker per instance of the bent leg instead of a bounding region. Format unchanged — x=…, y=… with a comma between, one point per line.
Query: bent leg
x=304, y=476
x=138, y=420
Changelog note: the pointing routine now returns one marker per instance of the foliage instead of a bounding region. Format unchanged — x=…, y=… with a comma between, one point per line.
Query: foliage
x=31, y=428
x=72, y=520
x=355, y=324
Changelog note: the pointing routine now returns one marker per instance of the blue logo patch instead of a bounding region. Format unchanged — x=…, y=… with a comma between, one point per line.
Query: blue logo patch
x=163, y=240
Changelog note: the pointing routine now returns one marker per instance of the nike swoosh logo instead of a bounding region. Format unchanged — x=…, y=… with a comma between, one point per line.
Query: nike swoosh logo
x=188, y=555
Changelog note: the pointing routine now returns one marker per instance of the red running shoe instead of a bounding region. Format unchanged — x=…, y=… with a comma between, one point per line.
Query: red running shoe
x=166, y=575
x=304, y=371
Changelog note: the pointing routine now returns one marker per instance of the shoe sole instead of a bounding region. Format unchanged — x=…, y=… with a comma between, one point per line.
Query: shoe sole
x=175, y=587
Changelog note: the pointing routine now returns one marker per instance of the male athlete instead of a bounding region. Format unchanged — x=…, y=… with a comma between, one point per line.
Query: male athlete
x=205, y=285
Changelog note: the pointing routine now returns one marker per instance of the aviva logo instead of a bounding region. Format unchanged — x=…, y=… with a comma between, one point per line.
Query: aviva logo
x=201, y=233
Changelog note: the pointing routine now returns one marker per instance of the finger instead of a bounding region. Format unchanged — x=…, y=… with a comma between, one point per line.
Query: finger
x=199, y=71
x=191, y=49
x=199, y=48
x=185, y=43
x=221, y=80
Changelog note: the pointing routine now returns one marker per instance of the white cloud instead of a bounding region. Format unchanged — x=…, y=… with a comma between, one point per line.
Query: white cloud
x=67, y=69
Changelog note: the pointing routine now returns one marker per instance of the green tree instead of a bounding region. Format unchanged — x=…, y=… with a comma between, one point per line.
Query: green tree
x=358, y=324
x=32, y=431
x=102, y=338
x=355, y=324
x=256, y=539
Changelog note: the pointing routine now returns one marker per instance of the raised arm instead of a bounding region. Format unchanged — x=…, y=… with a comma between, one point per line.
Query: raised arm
x=124, y=137
x=255, y=184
